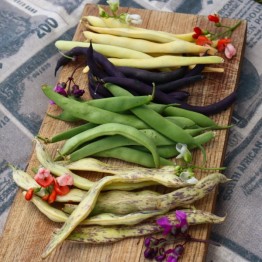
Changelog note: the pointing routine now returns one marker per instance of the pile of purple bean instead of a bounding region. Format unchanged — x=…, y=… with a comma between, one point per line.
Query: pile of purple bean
x=166, y=85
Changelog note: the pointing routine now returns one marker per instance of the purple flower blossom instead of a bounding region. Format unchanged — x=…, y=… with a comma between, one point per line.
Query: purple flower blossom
x=165, y=223
x=182, y=218
x=60, y=90
x=172, y=258
x=76, y=92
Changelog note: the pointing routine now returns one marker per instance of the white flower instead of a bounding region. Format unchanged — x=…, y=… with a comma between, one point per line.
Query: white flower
x=183, y=152
x=188, y=177
x=134, y=19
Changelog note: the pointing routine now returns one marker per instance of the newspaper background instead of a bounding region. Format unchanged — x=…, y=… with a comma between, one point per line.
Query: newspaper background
x=28, y=30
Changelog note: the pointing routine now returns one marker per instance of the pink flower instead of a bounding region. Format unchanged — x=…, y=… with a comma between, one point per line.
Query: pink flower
x=44, y=177
x=65, y=180
x=230, y=51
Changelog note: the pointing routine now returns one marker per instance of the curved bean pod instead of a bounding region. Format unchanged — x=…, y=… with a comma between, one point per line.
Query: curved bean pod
x=214, y=108
x=179, y=83
x=169, y=201
x=67, y=134
x=177, y=198
x=99, y=235
x=106, y=50
x=141, y=88
x=112, y=198
x=150, y=77
x=107, y=219
x=90, y=113
x=132, y=155
x=111, y=129
x=196, y=70
x=103, y=62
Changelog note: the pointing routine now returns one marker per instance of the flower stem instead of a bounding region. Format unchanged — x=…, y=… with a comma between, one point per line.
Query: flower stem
x=230, y=30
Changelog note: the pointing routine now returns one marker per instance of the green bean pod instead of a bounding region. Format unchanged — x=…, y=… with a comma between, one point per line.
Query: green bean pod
x=169, y=151
x=99, y=234
x=182, y=122
x=111, y=129
x=67, y=134
x=132, y=155
x=90, y=113
x=119, y=104
x=198, y=118
x=109, y=142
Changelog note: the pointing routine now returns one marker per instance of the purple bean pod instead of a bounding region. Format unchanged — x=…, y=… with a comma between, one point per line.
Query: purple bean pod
x=133, y=85
x=150, y=77
x=179, y=83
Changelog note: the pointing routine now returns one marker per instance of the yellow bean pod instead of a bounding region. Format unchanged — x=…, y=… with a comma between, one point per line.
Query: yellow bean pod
x=166, y=61
x=104, y=49
x=174, y=47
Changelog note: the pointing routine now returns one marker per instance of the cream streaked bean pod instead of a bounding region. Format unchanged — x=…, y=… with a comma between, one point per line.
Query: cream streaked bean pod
x=149, y=201
x=110, y=234
x=103, y=219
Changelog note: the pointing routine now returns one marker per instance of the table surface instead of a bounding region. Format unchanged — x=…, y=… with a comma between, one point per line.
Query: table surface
x=27, y=60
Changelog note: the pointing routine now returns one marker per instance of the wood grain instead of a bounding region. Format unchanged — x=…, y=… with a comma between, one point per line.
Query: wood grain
x=27, y=231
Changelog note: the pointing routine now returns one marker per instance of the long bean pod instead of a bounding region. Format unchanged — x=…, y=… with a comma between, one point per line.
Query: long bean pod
x=132, y=155
x=106, y=219
x=90, y=113
x=174, y=47
x=166, y=61
x=179, y=83
x=106, y=50
x=111, y=129
x=177, y=198
x=141, y=88
x=99, y=234
x=153, y=77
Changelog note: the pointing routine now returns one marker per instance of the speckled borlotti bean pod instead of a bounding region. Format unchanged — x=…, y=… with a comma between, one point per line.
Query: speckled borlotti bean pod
x=103, y=219
x=100, y=235
x=169, y=201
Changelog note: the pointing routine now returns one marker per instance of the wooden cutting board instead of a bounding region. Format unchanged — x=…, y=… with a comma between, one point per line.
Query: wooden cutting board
x=27, y=231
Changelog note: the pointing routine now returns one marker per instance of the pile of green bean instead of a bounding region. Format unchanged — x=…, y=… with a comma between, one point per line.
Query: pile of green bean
x=130, y=128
